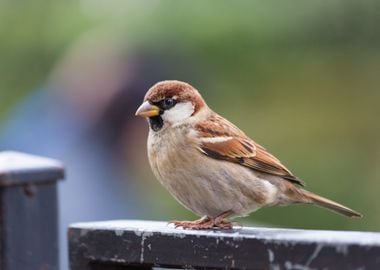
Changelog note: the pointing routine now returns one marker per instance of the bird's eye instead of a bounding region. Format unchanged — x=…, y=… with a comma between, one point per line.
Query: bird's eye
x=168, y=103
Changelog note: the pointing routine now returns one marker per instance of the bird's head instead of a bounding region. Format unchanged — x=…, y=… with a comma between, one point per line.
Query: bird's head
x=170, y=103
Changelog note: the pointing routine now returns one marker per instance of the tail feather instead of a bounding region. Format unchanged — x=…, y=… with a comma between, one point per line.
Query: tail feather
x=330, y=205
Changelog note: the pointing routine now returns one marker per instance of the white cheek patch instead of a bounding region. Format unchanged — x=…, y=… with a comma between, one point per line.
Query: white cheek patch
x=178, y=113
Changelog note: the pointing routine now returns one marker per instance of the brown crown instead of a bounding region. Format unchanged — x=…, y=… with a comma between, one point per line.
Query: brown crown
x=183, y=92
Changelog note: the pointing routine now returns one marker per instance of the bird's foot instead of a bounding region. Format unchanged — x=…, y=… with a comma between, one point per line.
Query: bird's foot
x=198, y=224
x=223, y=224
x=219, y=222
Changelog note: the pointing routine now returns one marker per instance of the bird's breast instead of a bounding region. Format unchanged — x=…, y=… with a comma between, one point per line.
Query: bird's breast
x=202, y=184
x=169, y=154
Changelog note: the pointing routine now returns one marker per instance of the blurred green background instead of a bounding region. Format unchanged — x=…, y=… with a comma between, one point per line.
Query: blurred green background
x=301, y=78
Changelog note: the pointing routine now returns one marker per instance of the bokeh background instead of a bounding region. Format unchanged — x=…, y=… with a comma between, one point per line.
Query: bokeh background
x=300, y=77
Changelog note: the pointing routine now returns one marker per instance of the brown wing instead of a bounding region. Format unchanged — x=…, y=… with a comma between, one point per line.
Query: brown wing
x=222, y=140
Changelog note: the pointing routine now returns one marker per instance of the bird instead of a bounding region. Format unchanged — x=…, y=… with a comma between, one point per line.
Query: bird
x=212, y=167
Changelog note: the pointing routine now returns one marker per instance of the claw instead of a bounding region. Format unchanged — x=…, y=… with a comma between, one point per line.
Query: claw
x=224, y=224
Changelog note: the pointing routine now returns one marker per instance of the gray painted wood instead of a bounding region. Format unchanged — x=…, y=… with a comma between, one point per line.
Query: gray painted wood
x=19, y=168
x=132, y=243
x=28, y=212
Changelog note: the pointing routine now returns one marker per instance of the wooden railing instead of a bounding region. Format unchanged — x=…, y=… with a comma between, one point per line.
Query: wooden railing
x=146, y=244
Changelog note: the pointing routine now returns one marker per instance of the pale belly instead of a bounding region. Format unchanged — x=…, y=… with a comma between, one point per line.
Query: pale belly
x=204, y=185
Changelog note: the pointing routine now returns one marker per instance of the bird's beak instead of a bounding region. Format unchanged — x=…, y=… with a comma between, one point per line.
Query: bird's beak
x=147, y=110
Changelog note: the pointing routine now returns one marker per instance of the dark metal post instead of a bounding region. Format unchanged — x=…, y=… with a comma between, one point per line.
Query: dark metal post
x=28, y=212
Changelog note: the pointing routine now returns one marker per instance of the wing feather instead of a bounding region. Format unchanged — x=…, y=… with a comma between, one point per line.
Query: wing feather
x=222, y=140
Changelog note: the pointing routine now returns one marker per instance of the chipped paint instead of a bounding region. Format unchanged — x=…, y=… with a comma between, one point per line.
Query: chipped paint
x=144, y=236
x=315, y=253
x=290, y=266
x=275, y=267
x=83, y=232
x=270, y=255
x=342, y=249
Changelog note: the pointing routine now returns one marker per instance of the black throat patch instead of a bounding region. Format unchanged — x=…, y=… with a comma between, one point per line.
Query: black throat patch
x=156, y=123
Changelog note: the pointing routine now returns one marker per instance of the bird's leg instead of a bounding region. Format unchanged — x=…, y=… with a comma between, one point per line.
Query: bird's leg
x=222, y=222
x=190, y=224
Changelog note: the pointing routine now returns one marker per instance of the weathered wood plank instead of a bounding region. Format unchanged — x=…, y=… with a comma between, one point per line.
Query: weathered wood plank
x=147, y=243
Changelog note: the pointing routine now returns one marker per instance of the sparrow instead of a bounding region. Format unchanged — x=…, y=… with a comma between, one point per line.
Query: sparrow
x=212, y=167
